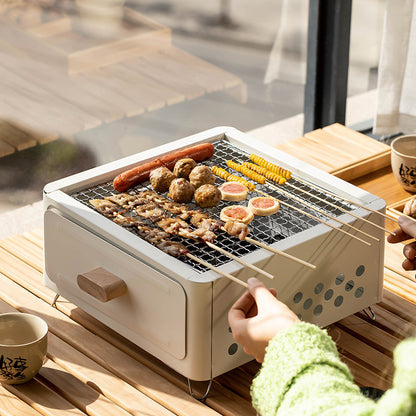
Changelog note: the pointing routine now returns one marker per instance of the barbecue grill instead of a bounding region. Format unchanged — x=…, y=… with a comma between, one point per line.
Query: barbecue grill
x=176, y=308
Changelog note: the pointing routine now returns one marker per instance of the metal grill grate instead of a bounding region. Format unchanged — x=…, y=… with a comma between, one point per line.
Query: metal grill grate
x=268, y=230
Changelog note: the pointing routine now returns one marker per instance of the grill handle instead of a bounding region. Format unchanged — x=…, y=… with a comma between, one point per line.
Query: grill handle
x=101, y=284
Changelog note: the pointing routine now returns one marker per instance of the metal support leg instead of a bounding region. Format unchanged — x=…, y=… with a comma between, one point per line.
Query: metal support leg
x=205, y=395
x=327, y=63
x=370, y=313
x=53, y=304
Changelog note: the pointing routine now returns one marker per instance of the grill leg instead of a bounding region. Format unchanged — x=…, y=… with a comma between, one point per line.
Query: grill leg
x=370, y=313
x=53, y=304
x=201, y=399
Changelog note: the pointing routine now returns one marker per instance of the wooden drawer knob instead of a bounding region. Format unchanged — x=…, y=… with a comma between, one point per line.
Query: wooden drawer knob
x=101, y=284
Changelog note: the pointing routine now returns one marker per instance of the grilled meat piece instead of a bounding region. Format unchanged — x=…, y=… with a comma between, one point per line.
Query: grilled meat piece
x=203, y=220
x=151, y=212
x=129, y=201
x=183, y=167
x=172, y=248
x=236, y=228
x=201, y=175
x=207, y=196
x=127, y=221
x=181, y=190
x=176, y=226
x=203, y=234
x=107, y=208
x=161, y=178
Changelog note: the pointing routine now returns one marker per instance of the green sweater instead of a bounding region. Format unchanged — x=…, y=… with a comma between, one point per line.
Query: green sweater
x=303, y=375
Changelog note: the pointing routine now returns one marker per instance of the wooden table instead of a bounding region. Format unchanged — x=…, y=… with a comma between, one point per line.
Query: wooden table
x=93, y=370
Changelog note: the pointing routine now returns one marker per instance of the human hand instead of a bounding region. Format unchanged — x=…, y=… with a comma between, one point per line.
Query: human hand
x=406, y=231
x=257, y=316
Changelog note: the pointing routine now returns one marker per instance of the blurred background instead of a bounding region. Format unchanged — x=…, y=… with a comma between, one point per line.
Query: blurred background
x=87, y=82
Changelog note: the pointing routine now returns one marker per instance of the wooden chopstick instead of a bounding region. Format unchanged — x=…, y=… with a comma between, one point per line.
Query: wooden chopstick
x=237, y=259
x=216, y=270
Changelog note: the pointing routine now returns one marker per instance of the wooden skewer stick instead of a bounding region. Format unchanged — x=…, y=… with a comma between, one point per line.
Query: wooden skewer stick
x=281, y=253
x=340, y=208
x=320, y=211
x=222, y=173
x=316, y=218
x=345, y=199
x=237, y=259
x=216, y=270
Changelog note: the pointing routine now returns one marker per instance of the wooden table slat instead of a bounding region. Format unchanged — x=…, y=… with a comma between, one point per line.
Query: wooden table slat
x=11, y=405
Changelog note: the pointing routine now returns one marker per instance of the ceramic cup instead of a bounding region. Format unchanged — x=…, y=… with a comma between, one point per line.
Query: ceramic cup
x=23, y=345
x=403, y=161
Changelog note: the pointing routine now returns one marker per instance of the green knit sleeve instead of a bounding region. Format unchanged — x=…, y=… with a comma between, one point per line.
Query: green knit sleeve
x=303, y=375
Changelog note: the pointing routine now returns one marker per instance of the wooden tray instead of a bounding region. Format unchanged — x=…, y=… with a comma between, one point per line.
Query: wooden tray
x=340, y=151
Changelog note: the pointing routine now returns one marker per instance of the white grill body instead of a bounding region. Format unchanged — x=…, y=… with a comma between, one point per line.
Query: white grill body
x=179, y=314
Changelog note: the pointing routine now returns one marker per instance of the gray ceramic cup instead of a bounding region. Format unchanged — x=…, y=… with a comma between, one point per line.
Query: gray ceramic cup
x=23, y=346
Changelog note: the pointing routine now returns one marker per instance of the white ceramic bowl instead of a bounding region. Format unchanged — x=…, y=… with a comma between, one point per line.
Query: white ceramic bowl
x=23, y=346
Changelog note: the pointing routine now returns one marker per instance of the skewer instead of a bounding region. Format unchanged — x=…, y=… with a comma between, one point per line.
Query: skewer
x=274, y=168
x=316, y=218
x=346, y=200
x=321, y=212
x=108, y=212
x=216, y=270
x=232, y=256
x=282, y=181
x=260, y=178
x=282, y=253
x=250, y=266
x=306, y=213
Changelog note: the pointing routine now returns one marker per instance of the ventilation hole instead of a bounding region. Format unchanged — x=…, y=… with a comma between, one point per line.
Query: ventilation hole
x=232, y=349
x=307, y=304
x=338, y=301
x=349, y=285
x=360, y=271
x=328, y=294
x=299, y=316
x=359, y=292
x=229, y=330
x=318, y=310
x=319, y=288
x=298, y=297
x=339, y=279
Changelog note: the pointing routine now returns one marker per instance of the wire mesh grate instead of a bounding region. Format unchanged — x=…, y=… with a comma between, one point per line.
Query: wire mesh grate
x=268, y=230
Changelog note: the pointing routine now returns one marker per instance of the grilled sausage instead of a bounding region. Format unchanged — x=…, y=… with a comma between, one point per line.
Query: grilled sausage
x=138, y=174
